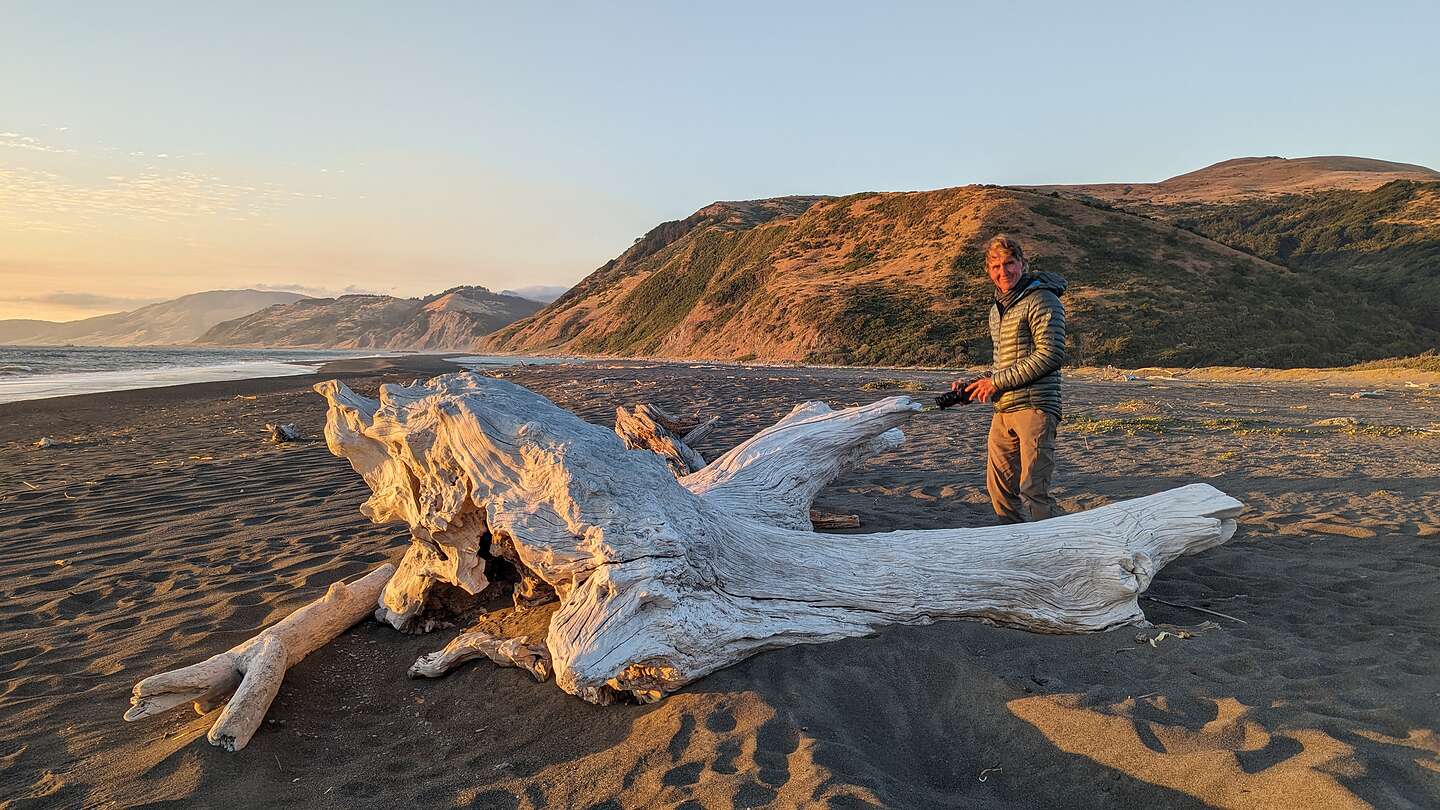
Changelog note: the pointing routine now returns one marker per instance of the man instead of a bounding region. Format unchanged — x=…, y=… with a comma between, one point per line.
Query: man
x=1027, y=328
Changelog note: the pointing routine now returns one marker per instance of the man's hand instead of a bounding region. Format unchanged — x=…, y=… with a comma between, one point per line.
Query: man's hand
x=982, y=390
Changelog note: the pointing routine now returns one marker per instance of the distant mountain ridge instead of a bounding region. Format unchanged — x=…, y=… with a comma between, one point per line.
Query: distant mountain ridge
x=544, y=293
x=453, y=319
x=1251, y=178
x=897, y=279
x=174, y=322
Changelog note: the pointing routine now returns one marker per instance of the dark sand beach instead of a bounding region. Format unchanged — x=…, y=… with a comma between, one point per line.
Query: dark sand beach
x=164, y=529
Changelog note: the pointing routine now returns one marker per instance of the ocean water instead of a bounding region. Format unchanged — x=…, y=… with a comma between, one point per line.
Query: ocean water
x=40, y=372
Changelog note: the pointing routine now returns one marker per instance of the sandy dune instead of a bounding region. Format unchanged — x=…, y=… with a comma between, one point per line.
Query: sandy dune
x=164, y=529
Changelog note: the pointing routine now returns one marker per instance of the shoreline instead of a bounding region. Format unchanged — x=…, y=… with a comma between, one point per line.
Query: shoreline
x=430, y=364
x=341, y=369
x=52, y=385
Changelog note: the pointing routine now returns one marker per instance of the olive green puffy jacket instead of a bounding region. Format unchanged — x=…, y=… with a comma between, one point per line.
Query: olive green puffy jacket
x=1027, y=329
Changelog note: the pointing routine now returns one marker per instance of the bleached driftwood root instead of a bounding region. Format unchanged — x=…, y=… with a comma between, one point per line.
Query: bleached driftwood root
x=249, y=674
x=507, y=652
x=662, y=581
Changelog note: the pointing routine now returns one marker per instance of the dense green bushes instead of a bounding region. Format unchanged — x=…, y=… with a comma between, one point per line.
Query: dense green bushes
x=1359, y=241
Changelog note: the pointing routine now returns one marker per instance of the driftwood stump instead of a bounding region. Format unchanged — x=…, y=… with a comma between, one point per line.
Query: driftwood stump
x=663, y=580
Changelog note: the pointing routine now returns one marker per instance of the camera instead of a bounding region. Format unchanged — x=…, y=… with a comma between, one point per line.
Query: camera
x=955, y=396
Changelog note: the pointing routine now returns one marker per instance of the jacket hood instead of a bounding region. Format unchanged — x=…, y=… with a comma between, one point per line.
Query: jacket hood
x=1054, y=282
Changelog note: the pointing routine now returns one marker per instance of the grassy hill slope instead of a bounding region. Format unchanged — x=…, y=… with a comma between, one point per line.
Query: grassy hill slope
x=1383, y=245
x=897, y=278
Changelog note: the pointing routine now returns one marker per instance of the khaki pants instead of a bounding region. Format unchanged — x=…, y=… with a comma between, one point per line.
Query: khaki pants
x=1022, y=460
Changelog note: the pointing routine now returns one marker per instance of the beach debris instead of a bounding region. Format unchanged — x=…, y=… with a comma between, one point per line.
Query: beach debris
x=891, y=384
x=248, y=675
x=985, y=774
x=46, y=443
x=661, y=580
x=1194, y=608
x=826, y=521
x=279, y=434
x=1337, y=421
x=1163, y=632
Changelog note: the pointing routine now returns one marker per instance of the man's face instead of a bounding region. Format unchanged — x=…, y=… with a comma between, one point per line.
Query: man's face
x=1004, y=270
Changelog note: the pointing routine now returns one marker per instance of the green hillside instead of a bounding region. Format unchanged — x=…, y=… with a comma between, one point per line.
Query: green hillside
x=1381, y=245
x=898, y=279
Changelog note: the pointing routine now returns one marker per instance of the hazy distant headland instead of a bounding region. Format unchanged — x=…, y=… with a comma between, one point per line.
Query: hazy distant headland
x=454, y=319
x=167, y=323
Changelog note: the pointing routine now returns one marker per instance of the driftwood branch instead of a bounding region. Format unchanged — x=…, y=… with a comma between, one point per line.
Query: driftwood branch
x=649, y=427
x=248, y=675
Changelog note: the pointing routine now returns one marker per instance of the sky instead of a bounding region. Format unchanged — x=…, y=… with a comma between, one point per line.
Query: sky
x=148, y=150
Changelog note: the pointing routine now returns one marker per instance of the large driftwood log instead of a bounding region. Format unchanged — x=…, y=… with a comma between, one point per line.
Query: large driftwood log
x=662, y=581
x=249, y=674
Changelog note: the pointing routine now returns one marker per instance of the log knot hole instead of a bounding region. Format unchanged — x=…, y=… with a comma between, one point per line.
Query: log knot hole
x=1141, y=570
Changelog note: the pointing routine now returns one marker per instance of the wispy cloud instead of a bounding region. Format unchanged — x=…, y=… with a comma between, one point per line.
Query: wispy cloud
x=39, y=199
x=64, y=195
x=81, y=300
x=16, y=140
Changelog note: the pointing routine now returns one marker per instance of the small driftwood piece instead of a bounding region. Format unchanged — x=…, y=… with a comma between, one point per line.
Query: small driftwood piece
x=249, y=674
x=663, y=580
x=507, y=652
x=824, y=521
x=650, y=427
